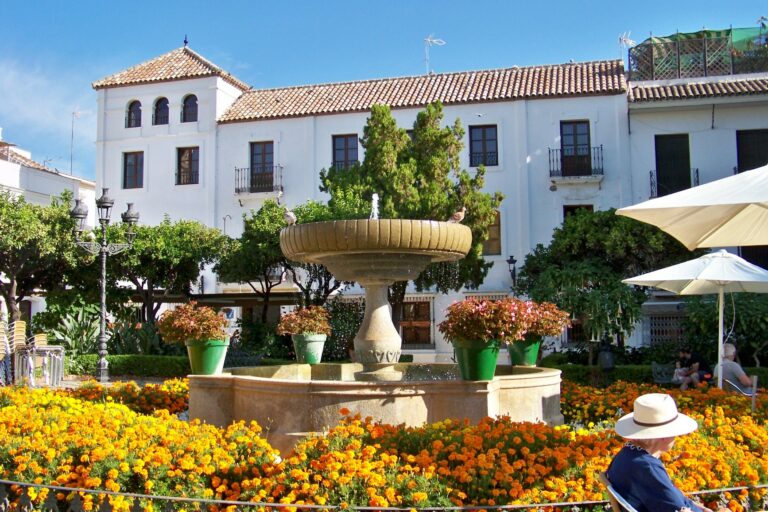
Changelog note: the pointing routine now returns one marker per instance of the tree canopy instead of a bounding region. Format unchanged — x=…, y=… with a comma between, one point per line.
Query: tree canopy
x=256, y=259
x=582, y=267
x=37, y=247
x=417, y=176
x=164, y=260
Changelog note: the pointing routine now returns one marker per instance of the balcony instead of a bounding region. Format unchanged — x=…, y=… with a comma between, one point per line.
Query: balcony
x=261, y=180
x=699, y=57
x=585, y=165
x=674, y=182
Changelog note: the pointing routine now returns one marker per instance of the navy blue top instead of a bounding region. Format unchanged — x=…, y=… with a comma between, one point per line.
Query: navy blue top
x=641, y=479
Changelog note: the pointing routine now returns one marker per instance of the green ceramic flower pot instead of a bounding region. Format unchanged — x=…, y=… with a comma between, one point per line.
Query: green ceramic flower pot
x=477, y=360
x=525, y=352
x=207, y=357
x=308, y=347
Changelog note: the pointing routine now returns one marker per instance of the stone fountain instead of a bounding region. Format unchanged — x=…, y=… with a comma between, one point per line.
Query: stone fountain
x=291, y=401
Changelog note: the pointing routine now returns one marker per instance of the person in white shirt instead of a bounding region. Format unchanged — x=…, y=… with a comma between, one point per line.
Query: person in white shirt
x=733, y=371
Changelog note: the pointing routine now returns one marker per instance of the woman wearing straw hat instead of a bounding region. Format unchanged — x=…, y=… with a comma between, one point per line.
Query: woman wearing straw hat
x=636, y=472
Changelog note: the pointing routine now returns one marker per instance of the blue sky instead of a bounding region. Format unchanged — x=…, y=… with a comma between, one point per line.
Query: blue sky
x=51, y=50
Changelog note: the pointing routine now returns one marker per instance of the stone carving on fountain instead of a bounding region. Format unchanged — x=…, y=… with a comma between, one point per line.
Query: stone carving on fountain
x=375, y=253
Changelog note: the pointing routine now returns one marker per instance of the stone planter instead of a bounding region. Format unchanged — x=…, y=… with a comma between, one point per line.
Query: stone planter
x=207, y=357
x=308, y=347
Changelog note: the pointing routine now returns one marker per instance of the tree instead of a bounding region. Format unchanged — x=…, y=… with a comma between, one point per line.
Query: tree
x=255, y=258
x=417, y=177
x=314, y=281
x=582, y=267
x=36, y=247
x=164, y=260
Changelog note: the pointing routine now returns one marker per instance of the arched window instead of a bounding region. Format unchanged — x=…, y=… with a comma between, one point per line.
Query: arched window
x=189, y=109
x=133, y=116
x=160, y=115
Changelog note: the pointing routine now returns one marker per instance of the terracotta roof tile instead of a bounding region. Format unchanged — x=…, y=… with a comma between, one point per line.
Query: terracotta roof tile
x=577, y=79
x=8, y=154
x=179, y=64
x=649, y=91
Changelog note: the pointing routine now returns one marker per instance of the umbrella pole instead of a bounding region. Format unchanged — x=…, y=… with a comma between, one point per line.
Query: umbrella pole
x=720, y=307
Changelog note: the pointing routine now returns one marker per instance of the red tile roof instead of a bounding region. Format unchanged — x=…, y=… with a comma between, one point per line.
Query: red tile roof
x=554, y=81
x=733, y=86
x=182, y=63
x=8, y=154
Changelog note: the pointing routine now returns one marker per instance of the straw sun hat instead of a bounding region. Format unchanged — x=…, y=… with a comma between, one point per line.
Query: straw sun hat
x=655, y=416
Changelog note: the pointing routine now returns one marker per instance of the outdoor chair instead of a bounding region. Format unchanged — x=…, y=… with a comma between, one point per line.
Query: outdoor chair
x=662, y=372
x=49, y=359
x=752, y=394
x=618, y=503
x=22, y=358
x=6, y=377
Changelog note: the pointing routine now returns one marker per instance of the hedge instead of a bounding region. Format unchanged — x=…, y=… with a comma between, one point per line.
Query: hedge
x=178, y=366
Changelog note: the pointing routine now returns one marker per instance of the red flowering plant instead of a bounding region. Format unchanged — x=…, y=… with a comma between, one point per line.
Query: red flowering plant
x=191, y=323
x=311, y=320
x=547, y=319
x=490, y=321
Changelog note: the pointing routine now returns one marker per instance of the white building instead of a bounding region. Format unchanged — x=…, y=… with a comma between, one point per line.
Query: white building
x=38, y=184
x=177, y=135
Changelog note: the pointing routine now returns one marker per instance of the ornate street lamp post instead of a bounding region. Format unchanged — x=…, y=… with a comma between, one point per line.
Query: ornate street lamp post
x=512, y=263
x=102, y=248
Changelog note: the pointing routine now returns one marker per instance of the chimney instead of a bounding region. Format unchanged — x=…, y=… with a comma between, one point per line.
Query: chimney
x=1, y=133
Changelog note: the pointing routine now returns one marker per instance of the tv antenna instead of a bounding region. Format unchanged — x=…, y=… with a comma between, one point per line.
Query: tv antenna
x=430, y=41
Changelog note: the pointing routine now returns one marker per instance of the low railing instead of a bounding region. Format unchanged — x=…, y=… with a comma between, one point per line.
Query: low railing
x=565, y=165
x=657, y=191
x=257, y=179
x=187, y=177
x=16, y=496
x=483, y=158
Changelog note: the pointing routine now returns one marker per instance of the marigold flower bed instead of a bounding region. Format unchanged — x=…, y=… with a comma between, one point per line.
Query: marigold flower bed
x=56, y=438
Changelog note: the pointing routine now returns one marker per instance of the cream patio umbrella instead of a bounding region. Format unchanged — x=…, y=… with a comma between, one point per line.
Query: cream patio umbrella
x=728, y=212
x=717, y=272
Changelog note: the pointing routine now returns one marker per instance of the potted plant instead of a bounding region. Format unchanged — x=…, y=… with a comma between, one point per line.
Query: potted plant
x=201, y=329
x=545, y=319
x=309, y=328
x=477, y=328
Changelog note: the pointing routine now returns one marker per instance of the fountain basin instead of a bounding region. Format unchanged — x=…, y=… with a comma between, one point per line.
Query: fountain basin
x=292, y=401
x=376, y=253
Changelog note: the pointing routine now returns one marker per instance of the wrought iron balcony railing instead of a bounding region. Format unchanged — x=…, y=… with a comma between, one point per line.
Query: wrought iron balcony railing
x=669, y=186
x=259, y=179
x=483, y=158
x=569, y=163
x=688, y=58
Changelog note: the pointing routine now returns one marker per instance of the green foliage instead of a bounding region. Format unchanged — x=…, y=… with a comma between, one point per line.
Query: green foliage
x=315, y=283
x=259, y=338
x=582, y=268
x=255, y=258
x=346, y=319
x=36, y=247
x=167, y=257
x=77, y=330
x=136, y=338
x=750, y=328
x=130, y=365
x=418, y=178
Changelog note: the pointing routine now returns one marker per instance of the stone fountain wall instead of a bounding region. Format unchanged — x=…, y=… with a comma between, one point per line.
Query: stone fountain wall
x=292, y=401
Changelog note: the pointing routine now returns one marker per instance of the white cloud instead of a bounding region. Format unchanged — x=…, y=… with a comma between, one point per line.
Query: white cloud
x=36, y=114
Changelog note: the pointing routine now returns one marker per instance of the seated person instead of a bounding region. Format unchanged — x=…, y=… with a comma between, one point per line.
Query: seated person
x=636, y=472
x=680, y=372
x=698, y=370
x=733, y=371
